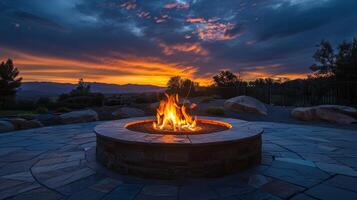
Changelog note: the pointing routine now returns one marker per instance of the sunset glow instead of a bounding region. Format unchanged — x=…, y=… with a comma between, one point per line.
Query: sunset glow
x=145, y=42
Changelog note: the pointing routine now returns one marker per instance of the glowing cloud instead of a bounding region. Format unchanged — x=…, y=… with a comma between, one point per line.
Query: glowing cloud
x=177, y=5
x=194, y=48
x=213, y=30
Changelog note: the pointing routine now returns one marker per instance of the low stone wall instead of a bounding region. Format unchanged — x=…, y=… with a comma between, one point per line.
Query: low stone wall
x=178, y=156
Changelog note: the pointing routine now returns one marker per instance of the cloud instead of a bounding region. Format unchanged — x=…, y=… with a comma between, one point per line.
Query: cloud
x=177, y=5
x=133, y=40
x=213, y=29
x=194, y=48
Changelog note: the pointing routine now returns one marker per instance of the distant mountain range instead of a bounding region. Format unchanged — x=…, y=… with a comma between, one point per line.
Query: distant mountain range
x=34, y=90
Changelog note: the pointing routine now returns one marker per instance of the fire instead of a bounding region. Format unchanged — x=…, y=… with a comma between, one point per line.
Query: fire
x=171, y=116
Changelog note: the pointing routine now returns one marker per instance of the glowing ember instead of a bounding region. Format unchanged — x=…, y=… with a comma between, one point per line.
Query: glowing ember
x=173, y=117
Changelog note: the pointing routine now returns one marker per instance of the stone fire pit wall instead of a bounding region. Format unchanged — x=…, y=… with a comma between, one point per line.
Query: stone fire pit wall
x=178, y=156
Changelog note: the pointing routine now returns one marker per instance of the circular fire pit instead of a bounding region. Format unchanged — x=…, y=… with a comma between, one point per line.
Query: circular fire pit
x=220, y=147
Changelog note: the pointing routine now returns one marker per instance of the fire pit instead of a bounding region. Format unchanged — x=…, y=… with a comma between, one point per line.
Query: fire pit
x=175, y=145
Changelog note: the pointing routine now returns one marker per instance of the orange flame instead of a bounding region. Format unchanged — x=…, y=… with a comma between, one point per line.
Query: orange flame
x=172, y=117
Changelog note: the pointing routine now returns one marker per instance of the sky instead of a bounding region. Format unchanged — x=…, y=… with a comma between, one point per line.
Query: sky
x=149, y=41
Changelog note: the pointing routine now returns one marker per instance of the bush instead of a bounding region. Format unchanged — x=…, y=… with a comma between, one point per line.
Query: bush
x=42, y=110
x=218, y=111
x=146, y=98
x=62, y=110
x=80, y=101
x=43, y=101
x=207, y=99
x=22, y=105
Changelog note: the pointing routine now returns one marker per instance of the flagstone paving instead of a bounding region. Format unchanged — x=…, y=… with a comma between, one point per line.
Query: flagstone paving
x=298, y=162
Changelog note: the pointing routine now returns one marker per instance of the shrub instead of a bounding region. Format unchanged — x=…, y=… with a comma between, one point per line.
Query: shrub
x=63, y=110
x=81, y=101
x=218, y=111
x=44, y=101
x=207, y=99
x=42, y=110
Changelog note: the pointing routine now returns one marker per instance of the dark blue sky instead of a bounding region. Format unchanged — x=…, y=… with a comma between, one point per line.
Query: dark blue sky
x=147, y=41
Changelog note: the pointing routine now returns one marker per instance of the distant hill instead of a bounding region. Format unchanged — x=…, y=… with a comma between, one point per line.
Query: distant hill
x=34, y=90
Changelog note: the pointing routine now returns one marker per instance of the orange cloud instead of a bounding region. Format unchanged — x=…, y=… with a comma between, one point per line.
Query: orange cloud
x=211, y=29
x=177, y=5
x=129, y=5
x=194, y=48
x=161, y=19
x=196, y=20
x=144, y=14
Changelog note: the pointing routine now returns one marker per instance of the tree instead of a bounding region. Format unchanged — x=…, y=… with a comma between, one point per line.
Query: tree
x=81, y=89
x=9, y=81
x=174, y=85
x=228, y=84
x=325, y=58
x=226, y=79
x=346, y=61
x=183, y=87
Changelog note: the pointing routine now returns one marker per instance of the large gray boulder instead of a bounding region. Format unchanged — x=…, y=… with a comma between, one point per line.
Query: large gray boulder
x=245, y=104
x=6, y=126
x=20, y=123
x=79, y=116
x=49, y=119
x=330, y=113
x=126, y=112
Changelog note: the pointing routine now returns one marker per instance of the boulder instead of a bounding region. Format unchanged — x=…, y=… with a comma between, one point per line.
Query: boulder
x=334, y=117
x=79, y=116
x=304, y=113
x=330, y=113
x=49, y=119
x=20, y=123
x=341, y=109
x=126, y=112
x=245, y=104
x=6, y=126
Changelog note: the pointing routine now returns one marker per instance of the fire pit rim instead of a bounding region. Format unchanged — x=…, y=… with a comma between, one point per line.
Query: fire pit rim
x=116, y=131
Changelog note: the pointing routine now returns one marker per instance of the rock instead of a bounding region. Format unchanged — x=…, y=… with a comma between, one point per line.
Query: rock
x=334, y=117
x=126, y=112
x=245, y=104
x=20, y=123
x=105, y=112
x=6, y=126
x=49, y=119
x=303, y=113
x=330, y=113
x=34, y=123
x=79, y=116
x=341, y=109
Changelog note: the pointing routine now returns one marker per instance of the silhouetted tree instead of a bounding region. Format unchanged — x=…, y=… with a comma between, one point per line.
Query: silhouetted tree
x=9, y=81
x=174, y=84
x=325, y=58
x=82, y=88
x=225, y=79
x=183, y=87
x=228, y=84
x=346, y=61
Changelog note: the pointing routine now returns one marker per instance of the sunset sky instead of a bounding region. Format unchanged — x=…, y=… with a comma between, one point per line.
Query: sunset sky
x=148, y=41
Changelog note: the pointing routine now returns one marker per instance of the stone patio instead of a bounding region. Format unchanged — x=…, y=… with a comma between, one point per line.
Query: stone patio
x=299, y=162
